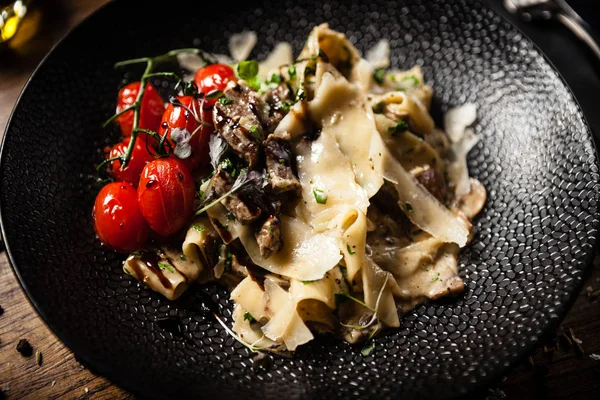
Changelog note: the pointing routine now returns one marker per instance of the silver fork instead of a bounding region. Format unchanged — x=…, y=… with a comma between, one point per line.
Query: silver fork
x=530, y=10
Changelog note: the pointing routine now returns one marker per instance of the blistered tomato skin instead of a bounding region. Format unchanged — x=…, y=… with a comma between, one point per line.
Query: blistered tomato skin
x=118, y=220
x=151, y=111
x=213, y=77
x=139, y=158
x=166, y=195
x=197, y=121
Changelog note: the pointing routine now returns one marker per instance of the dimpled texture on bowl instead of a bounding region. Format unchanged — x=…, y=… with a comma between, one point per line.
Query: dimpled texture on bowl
x=532, y=241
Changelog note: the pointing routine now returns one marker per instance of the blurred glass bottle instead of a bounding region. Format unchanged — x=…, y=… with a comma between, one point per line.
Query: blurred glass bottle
x=11, y=16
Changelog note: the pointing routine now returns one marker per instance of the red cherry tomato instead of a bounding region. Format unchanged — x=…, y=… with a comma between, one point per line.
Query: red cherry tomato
x=166, y=195
x=117, y=218
x=139, y=158
x=176, y=116
x=213, y=77
x=151, y=110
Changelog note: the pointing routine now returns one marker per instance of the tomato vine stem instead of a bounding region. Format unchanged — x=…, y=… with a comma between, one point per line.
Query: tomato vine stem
x=150, y=62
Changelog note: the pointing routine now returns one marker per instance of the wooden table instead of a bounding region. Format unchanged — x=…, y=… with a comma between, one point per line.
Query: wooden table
x=549, y=372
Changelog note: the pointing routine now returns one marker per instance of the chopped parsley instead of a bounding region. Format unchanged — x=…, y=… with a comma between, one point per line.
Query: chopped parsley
x=414, y=79
x=320, y=196
x=128, y=272
x=285, y=106
x=400, y=127
x=350, y=251
x=292, y=71
x=379, y=75
x=437, y=278
x=198, y=228
x=230, y=216
x=183, y=257
x=368, y=349
x=249, y=317
x=226, y=164
x=255, y=132
x=301, y=95
x=275, y=79
x=136, y=254
x=165, y=266
x=306, y=282
x=379, y=107
x=409, y=207
x=225, y=101
x=344, y=272
x=271, y=229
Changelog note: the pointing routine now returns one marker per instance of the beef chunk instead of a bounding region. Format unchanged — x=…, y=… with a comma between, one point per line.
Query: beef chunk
x=268, y=236
x=278, y=159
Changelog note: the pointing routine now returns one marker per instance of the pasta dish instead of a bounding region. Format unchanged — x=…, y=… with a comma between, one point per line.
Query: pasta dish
x=317, y=188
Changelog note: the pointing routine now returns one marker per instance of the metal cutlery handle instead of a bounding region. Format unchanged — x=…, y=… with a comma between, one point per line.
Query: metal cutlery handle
x=560, y=10
x=569, y=18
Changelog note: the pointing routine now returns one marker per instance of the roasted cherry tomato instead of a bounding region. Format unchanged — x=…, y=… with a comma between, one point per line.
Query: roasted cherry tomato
x=151, y=111
x=187, y=116
x=166, y=195
x=213, y=77
x=139, y=158
x=117, y=218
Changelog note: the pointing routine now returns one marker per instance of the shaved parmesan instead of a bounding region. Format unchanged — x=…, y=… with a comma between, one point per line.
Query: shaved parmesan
x=305, y=255
x=457, y=119
x=422, y=208
x=379, y=55
x=241, y=45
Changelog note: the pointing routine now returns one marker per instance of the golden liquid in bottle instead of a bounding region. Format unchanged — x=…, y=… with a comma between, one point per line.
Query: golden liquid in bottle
x=11, y=15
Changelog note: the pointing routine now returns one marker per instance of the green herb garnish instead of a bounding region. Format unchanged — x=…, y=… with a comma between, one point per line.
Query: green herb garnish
x=230, y=216
x=341, y=297
x=285, y=106
x=320, y=196
x=225, y=101
x=379, y=75
x=437, y=278
x=379, y=107
x=414, y=79
x=400, y=127
x=292, y=71
x=275, y=79
x=182, y=257
x=306, y=282
x=271, y=229
x=368, y=349
x=198, y=228
x=409, y=207
x=344, y=272
x=165, y=266
x=350, y=251
x=301, y=95
x=255, y=132
x=247, y=69
x=249, y=317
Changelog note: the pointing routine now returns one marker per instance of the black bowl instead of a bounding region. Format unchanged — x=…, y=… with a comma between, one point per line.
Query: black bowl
x=533, y=240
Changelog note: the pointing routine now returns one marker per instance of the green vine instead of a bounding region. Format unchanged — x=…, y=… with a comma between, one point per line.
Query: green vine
x=150, y=62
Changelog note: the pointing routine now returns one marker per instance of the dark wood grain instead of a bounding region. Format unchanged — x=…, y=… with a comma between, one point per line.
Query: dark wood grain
x=555, y=369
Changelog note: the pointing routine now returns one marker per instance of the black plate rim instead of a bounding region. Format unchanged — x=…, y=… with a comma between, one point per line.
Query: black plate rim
x=82, y=356
x=100, y=368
